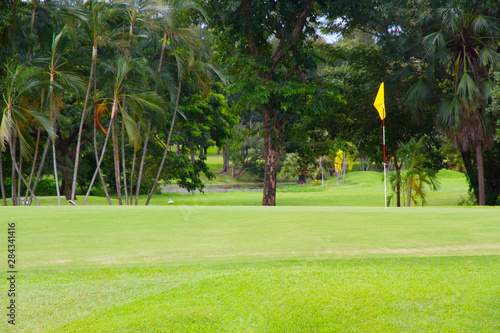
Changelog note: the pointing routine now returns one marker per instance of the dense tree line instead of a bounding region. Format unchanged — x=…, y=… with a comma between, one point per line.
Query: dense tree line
x=81, y=76
x=138, y=77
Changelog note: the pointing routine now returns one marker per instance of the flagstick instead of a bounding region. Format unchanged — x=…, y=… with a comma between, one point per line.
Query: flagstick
x=385, y=179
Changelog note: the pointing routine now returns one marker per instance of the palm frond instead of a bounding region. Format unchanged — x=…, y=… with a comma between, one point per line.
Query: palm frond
x=449, y=112
x=467, y=90
x=6, y=129
x=450, y=17
x=432, y=42
x=26, y=142
x=45, y=122
x=419, y=94
x=483, y=25
x=130, y=127
x=488, y=56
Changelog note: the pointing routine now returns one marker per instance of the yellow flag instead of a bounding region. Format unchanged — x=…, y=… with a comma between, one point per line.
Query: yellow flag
x=379, y=102
x=338, y=160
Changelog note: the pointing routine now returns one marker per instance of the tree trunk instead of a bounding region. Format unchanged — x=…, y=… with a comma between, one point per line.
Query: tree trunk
x=33, y=10
x=116, y=159
x=66, y=186
x=192, y=154
x=271, y=161
x=15, y=168
x=55, y=172
x=218, y=150
x=123, y=159
x=168, y=143
x=141, y=168
x=133, y=164
x=302, y=179
x=40, y=168
x=408, y=185
x=480, y=175
x=96, y=152
x=225, y=158
x=35, y=157
x=2, y=186
x=398, y=184
x=19, y=177
x=13, y=179
x=99, y=162
x=82, y=120
x=163, y=48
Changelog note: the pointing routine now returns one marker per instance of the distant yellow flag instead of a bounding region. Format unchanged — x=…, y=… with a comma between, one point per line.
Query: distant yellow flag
x=379, y=102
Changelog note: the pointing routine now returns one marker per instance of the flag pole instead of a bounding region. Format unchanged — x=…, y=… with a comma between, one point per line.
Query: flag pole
x=385, y=178
x=380, y=106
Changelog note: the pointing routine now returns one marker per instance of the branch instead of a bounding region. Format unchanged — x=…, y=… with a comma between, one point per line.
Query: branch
x=296, y=32
x=252, y=44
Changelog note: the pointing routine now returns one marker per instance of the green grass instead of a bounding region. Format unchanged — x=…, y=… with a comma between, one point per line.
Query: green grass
x=256, y=269
x=325, y=260
x=361, y=189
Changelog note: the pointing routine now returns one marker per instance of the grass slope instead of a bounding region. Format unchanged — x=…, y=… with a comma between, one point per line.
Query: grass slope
x=360, y=189
x=260, y=269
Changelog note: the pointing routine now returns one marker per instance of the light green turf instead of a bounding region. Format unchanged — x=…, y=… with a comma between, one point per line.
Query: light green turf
x=360, y=189
x=260, y=269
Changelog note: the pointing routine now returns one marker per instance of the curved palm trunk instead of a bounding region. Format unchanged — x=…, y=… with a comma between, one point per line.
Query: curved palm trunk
x=55, y=172
x=2, y=186
x=15, y=169
x=123, y=159
x=42, y=162
x=82, y=121
x=13, y=176
x=141, y=168
x=99, y=170
x=116, y=160
x=35, y=157
x=133, y=165
x=19, y=177
x=163, y=47
x=52, y=118
x=480, y=175
x=162, y=164
x=103, y=183
x=33, y=10
x=100, y=161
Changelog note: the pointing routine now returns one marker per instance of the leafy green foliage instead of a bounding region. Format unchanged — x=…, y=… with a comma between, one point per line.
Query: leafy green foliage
x=416, y=172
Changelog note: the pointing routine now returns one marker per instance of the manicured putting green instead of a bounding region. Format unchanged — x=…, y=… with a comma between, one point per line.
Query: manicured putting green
x=261, y=269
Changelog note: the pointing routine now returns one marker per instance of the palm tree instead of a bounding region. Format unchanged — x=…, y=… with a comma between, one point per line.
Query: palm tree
x=62, y=78
x=461, y=51
x=140, y=13
x=414, y=174
x=126, y=73
x=18, y=83
x=175, y=34
x=99, y=15
x=202, y=71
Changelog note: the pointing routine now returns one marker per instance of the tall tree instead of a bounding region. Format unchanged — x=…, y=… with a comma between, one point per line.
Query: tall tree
x=20, y=81
x=126, y=72
x=460, y=53
x=268, y=51
x=97, y=19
